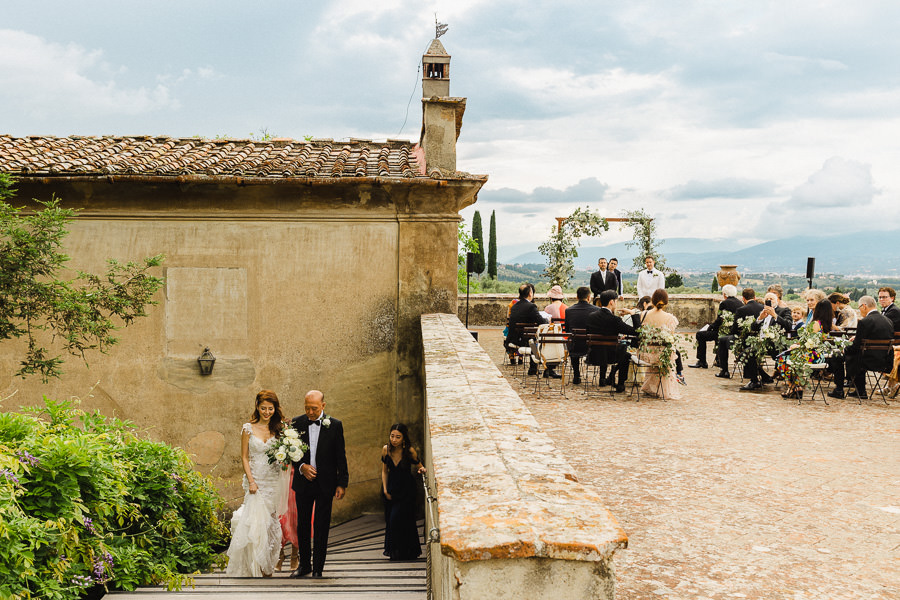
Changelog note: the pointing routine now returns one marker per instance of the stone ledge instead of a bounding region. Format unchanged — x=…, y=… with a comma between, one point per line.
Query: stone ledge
x=503, y=489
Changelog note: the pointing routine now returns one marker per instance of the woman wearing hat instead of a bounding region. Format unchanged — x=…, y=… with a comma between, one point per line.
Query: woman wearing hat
x=556, y=309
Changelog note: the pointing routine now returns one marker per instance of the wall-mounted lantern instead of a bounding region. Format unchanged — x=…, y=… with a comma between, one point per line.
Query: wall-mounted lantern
x=206, y=360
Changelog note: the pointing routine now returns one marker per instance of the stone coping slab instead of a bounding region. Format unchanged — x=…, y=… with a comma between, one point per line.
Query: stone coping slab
x=503, y=489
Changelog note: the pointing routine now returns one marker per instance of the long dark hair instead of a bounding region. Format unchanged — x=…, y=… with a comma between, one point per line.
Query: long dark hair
x=406, y=444
x=275, y=423
x=824, y=314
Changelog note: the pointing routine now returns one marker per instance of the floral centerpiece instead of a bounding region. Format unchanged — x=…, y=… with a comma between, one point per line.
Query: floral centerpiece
x=811, y=347
x=656, y=339
x=756, y=345
x=287, y=449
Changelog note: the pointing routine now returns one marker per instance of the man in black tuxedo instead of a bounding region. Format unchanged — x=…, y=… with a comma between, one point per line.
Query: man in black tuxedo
x=602, y=280
x=751, y=308
x=886, y=297
x=613, y=268
x=525, y=312
x=873, y=326
x=576, y=318
x=770, y=316
x=605, y=322
x=729, y=303
x=320, y=476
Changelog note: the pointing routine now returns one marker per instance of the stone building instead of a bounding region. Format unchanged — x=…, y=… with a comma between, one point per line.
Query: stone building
x=300, y=264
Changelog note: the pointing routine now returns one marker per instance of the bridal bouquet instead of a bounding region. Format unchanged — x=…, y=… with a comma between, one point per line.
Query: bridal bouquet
x=287, y=449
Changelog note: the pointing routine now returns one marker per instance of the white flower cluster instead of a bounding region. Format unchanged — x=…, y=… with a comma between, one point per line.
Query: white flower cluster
x=287, y=449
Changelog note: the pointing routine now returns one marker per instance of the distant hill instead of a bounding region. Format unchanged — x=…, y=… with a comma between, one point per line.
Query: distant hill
x=876, y=253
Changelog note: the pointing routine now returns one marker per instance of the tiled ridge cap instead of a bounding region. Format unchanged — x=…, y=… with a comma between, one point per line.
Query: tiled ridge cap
x=503, y=489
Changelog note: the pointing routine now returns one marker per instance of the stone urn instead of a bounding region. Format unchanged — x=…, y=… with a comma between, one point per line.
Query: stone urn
x=728, y=274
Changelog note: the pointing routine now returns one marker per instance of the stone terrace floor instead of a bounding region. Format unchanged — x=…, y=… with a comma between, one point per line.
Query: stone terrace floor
x=728, y=494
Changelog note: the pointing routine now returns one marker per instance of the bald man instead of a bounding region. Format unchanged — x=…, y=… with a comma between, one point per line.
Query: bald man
x=319, y=477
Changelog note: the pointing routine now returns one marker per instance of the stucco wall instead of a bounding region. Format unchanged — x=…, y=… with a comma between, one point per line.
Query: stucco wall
x=292, y=287
x=692, y=310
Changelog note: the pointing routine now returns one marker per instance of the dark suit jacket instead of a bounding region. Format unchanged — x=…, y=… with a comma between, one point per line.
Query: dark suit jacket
x=875, y=326
x=618, y=275
x=603, y=280
x=603, y=322
x=331, y=459
x=576, y=318
x=893, y=314
x=751, y=309
x=522, y=311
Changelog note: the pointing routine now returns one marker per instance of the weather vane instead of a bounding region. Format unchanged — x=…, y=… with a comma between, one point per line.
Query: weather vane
x=439, y=28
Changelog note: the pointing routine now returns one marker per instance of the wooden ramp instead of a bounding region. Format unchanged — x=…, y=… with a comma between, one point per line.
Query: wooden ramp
x=355, y=569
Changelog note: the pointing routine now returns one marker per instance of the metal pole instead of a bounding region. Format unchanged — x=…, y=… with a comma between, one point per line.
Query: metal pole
x=467, y=298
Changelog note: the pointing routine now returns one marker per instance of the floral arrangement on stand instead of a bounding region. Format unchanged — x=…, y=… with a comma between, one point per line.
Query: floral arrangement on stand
x=287, y=449
x=811, y=347
x=756, y=345
x=727, y=320
x=658, y=340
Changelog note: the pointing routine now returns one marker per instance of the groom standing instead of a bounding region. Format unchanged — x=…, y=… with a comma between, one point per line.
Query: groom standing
x=320, y=476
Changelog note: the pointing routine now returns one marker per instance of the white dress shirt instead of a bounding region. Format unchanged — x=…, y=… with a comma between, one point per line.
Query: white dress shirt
x=314, y=431
x=650, y=281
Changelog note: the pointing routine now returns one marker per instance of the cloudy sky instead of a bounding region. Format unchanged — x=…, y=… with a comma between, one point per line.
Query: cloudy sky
x=742, y=120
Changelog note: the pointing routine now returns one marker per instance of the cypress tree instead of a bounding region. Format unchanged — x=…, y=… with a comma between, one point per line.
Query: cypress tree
x=492, y=247
x=478, y=236
x=715, y=285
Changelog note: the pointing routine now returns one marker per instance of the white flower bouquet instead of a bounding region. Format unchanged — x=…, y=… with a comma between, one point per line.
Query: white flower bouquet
x=287, y=449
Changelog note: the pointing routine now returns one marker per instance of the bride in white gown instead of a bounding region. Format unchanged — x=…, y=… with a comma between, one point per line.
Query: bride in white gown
x=255, y=526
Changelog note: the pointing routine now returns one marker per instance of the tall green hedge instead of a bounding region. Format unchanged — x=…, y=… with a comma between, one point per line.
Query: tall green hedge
x=86, y=502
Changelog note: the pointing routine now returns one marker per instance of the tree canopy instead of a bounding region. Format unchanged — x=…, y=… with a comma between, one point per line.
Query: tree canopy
x=48, y=311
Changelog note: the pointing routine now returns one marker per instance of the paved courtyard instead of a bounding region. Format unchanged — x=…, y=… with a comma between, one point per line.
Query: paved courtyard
x=728, y=494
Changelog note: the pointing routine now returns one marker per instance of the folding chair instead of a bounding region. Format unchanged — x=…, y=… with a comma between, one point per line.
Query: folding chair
x=875, y=379
x=547, y=345
x=607, y=344
x=642, y=368
x=529, y=330
x=577, y=336
x=818, y=376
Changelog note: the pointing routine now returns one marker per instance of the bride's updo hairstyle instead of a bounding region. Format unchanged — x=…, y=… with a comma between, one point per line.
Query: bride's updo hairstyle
x=660, y=299
x=275, y=423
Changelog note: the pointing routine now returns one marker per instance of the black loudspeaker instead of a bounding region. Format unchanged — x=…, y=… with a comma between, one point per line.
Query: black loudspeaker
x=470, y=262
x=810, y=267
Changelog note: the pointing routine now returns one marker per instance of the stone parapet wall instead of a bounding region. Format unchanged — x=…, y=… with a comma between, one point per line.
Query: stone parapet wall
x=692, y=310
x=514, y=521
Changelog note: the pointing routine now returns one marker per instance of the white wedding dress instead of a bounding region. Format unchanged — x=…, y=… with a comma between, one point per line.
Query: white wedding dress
x=255, y=526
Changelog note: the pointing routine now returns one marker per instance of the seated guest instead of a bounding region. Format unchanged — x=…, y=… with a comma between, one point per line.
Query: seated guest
x=513, y=355
x=783, y=310
x=637, y=315
x=812, y=297
x=798, y=314
x=658, y=317
x=770, y=316
x=751, y=308
x=710, y=333
x=524, y=312
x=556, y=309
x=605, y=322
x=839, y=303
x=873, y=326
x=576, y=318
x=886, y=297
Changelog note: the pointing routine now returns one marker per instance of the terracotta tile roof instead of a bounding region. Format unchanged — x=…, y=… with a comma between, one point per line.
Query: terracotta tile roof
x=166, y=156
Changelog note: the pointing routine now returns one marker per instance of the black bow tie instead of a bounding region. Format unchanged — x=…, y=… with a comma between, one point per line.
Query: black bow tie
x=649, y=270
x=314, y=422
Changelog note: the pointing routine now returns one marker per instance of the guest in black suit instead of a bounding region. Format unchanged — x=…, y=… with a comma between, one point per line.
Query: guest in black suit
x=605, y=322
x=886, y=297
x=319, y=477
x=602, y=280
x=770, y=316
x=612, y=268
x=576, y=318
x=751, y=308
x=729, y=303
x=525, y=312
x=873, y=326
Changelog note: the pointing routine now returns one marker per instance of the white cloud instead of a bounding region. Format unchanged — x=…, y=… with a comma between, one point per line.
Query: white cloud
x=839, y=183
x=39, y=77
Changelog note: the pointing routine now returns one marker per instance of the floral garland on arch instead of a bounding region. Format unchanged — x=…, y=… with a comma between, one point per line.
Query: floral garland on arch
x=811, y=347
x=656, y=339
x=756, y=345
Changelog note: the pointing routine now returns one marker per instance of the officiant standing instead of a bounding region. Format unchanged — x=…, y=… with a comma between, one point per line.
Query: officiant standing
x=319, y=477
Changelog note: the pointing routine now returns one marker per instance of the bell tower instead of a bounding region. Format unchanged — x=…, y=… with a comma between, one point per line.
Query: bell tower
x=435, y=71
x=441, y=114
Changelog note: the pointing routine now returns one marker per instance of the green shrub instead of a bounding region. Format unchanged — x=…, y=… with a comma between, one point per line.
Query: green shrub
x=89, y=503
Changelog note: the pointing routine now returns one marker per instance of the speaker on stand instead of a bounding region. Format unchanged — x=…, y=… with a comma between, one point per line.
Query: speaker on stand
x=810, y=270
